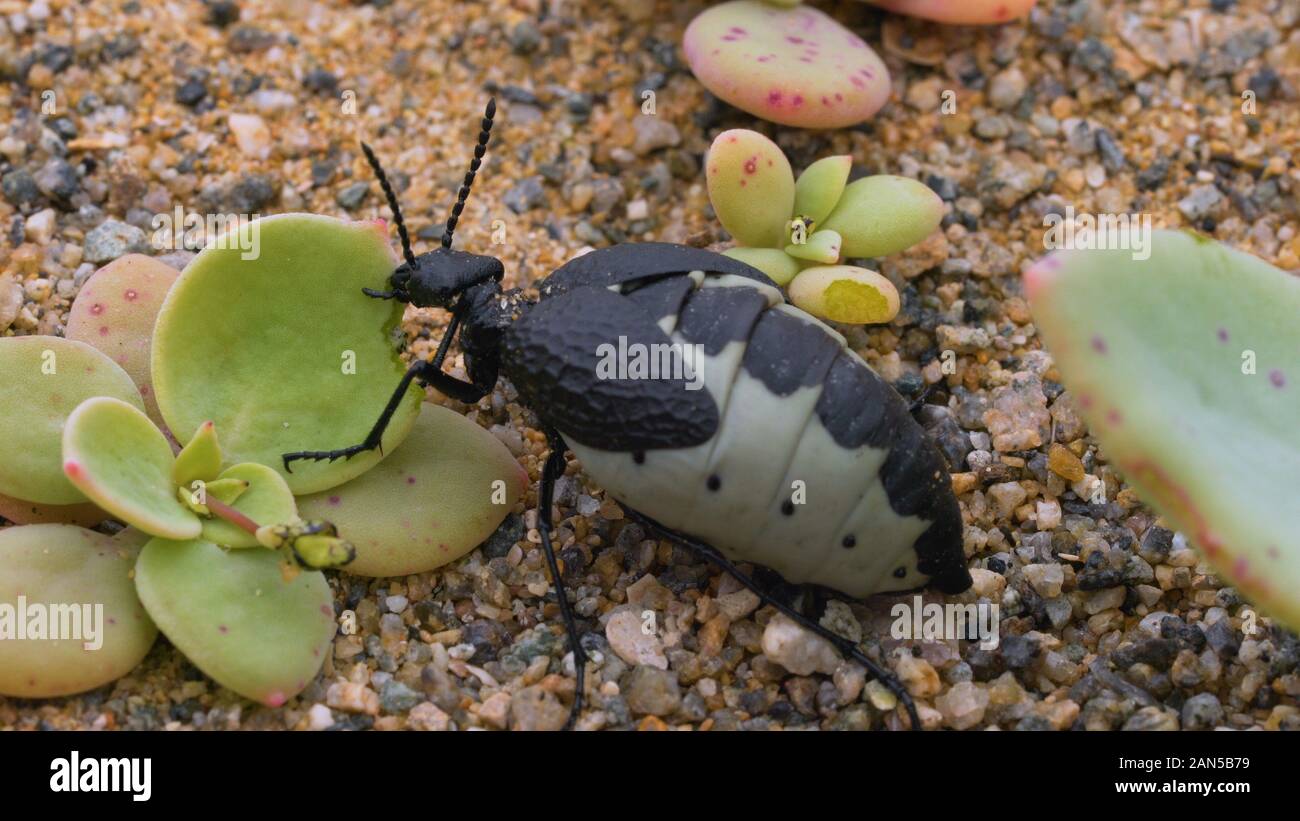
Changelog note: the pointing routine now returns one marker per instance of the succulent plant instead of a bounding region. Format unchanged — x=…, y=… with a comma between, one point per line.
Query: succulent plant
x=1185, y=367
x=73, y=428
x=115, y=311
x=443, y=492
x=964, y=12
x=46, y=565
x=115, y=455
x=790, y=65
x=798, y=231
x=277, y=350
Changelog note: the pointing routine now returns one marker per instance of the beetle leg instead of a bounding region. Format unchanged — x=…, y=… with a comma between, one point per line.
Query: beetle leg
x=546, y=491
x=846, y=647
x=397, y=294
x=375, y=438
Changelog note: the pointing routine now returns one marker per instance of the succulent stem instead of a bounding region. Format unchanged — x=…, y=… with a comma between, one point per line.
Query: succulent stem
x=225, y=511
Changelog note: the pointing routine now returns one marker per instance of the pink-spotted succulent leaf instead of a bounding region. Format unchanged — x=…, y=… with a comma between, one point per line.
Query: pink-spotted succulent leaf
x=435, y=499
x=233, y=614
x=884, y=214
x=795, y=66
x=44, y=379
x=751, y=186
x=1186, y=366
x=115, y=312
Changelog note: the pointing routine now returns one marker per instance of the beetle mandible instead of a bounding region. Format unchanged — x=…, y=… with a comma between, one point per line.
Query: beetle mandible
x=708, y=458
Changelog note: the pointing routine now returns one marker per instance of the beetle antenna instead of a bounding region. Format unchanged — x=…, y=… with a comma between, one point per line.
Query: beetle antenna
x=392, y=203
x=480, y=149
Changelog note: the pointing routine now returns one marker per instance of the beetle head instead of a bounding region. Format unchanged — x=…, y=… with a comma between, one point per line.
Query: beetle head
x=442, y=274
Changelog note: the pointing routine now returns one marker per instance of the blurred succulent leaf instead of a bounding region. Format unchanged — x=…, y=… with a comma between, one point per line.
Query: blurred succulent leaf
x=1185, y=366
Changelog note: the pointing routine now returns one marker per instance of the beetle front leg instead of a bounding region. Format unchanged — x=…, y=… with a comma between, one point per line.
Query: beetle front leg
x=375, y=438
x=550, y=472
x=848, y=648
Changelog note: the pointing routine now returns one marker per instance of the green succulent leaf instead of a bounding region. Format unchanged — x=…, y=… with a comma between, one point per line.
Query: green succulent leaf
x=820, y=187
x=283, y=351
x=266, y=499
x=65, y=565
x=438, y=497
x=44, y=379
x=845, y=293
x=1185, y=366
x=822, y=247
x=115, y=311
x=233, y=615
x=118, y=458
x=751, y=187
x=200, y=459
x=777, y=264
x=883, y=215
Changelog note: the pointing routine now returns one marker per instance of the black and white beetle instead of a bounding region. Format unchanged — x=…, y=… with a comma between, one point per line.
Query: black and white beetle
x=785, y=407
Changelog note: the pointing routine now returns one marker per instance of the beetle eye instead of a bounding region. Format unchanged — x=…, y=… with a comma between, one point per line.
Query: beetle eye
x=401, y=275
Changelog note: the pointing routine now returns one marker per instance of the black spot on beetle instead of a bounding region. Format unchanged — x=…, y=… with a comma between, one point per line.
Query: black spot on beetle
x=714, y=482
x=900, y=573
x=639, y=457
x=850, y=541
x=787, y=507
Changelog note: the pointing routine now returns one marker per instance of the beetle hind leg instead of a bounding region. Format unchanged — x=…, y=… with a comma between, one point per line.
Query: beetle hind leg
x=846, y=647
x=550, y=472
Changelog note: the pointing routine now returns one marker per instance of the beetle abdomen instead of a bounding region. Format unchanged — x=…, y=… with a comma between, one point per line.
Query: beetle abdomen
x=815, y=468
